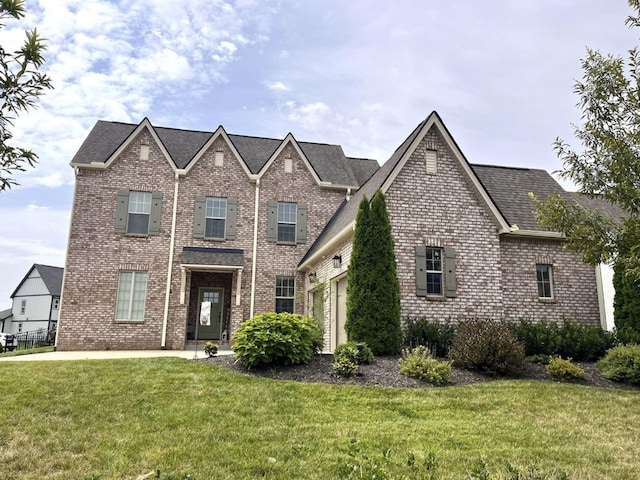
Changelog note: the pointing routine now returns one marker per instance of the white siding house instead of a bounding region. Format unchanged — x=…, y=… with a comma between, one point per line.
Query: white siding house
x=36, y=300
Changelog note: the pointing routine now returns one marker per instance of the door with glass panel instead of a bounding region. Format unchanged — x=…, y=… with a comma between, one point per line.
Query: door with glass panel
x=214, y=298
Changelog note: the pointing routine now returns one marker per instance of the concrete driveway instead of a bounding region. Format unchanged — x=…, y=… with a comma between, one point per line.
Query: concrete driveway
x=109, y=354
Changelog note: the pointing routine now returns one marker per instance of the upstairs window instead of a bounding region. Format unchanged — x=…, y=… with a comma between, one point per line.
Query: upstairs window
x=287, y=222
x=215, y=217
x=56, y=303
x=544, y=275
x=287, y=215
x=138, y=212
x=23, y=307
x=285, y=293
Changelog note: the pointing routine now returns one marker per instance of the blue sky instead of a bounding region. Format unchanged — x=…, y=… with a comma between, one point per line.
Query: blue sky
x=358, y=73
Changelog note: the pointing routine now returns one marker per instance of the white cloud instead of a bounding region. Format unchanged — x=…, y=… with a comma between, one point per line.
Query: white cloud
x=277, y=86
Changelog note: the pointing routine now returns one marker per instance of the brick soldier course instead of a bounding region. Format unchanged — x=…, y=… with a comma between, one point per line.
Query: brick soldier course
x=478, y=217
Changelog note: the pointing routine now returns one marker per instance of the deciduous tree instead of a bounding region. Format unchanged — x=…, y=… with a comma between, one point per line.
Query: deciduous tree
x=608, y=167
x=21, y=83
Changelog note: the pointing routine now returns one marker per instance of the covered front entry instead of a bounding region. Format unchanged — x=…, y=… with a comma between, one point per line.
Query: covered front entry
x=209, y=291
x=211, y=284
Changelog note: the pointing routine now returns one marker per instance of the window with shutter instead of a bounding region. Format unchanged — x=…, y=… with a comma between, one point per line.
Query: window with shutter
x=435, y=272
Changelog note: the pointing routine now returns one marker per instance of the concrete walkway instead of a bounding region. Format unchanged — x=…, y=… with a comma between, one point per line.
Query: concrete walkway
x=110, y=354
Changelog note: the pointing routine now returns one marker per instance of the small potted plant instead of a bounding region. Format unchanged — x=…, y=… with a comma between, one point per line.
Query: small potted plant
x=210, y=349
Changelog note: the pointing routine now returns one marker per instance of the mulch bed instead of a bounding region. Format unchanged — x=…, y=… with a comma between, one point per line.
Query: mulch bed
x=384, y=372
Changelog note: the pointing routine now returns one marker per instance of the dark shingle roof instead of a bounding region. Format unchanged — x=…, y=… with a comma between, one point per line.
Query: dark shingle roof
x=509, y=189
x=599, y=204
x=182, y=145
x=103, y=139
x=212, y=256
x=51, y=276
x=363, y=168
x=4, y=314
x=255, y=151
x=328, y=161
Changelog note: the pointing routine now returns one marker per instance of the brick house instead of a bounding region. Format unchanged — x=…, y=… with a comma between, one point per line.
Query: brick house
x=173, y=226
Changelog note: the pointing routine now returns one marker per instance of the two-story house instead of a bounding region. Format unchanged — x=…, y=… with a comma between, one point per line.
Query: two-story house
x=177, y=235
x=36, y=300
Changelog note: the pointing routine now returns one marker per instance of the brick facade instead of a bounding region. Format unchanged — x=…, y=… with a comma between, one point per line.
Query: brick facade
x=495, y=270
x=96, y=254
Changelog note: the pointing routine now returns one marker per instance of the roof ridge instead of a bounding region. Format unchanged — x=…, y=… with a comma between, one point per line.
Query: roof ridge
x=507, y=167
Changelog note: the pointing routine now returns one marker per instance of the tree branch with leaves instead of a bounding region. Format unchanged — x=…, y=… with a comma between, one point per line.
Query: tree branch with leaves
x=21, y=84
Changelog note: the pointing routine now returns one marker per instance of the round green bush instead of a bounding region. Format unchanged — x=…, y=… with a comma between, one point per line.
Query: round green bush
x=487, y=346
x=622, y=364
x=564, y=369
x=277, y=338
x=418, y=363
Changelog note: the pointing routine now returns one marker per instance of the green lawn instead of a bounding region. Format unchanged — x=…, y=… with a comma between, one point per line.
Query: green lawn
x=117, y=419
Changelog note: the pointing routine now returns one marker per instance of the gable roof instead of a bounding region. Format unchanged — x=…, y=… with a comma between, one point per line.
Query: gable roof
x=509, y=189
x=344, y=218
x=5, y=314
x=51, y=276
x=327, y=161
x=363, y=168
x=599, y=204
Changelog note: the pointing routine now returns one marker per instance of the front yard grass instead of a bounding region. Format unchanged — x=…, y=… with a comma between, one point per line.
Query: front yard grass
x=117, y=419
x=28, y=351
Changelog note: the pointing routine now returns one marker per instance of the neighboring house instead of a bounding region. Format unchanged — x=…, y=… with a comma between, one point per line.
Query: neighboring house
x=36, y=300
x=171, y=227
x=5, y=317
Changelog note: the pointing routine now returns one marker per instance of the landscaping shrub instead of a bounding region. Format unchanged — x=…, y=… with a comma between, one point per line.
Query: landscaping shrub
x=436, y=336
x=345, y=359
x=564, y=369
x=418, y=363
x=537, y=338
x=348, y=356
x=488, y=346
x=277, y=338
x=580, y=342
x=622, y=364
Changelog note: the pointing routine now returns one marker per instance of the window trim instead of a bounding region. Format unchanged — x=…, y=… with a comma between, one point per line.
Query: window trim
x=134, y=273
x=294, y=223
x=56, y=304
x=206, y=217
x=437, y=272
x=292, y=286
x=23, y=307
x=541, y=282
x=143, y=203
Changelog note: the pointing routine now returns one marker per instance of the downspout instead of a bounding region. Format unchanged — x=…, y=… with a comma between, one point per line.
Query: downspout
x=163, y=343
x=255, y=249
x=64, y=273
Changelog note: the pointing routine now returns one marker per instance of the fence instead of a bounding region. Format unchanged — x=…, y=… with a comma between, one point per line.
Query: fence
x=36, y=338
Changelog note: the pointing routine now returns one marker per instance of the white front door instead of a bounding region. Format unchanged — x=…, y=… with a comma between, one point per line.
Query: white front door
x=341, y=310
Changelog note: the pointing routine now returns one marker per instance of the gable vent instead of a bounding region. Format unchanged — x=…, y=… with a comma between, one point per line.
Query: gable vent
x=218, y=159
x=431, y=158
x=288, y=165
x=144, y=151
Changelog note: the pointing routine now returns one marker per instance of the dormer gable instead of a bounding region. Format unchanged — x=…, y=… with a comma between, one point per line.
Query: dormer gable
x=290, y=140
x=220, y=133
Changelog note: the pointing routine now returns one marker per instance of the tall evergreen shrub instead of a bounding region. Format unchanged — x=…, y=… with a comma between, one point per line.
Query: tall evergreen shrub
x=373, y=290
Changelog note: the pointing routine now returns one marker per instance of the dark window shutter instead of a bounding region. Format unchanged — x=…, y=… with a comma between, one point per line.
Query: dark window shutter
x=198, y=216
x=449, y=272
x=301, y=223
x=155, y=218
x=272, y=222
x=232, y=216
x=421, y=271
x=122, y=211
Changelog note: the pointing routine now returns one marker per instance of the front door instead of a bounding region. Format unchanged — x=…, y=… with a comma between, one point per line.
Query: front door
x=214, y=297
